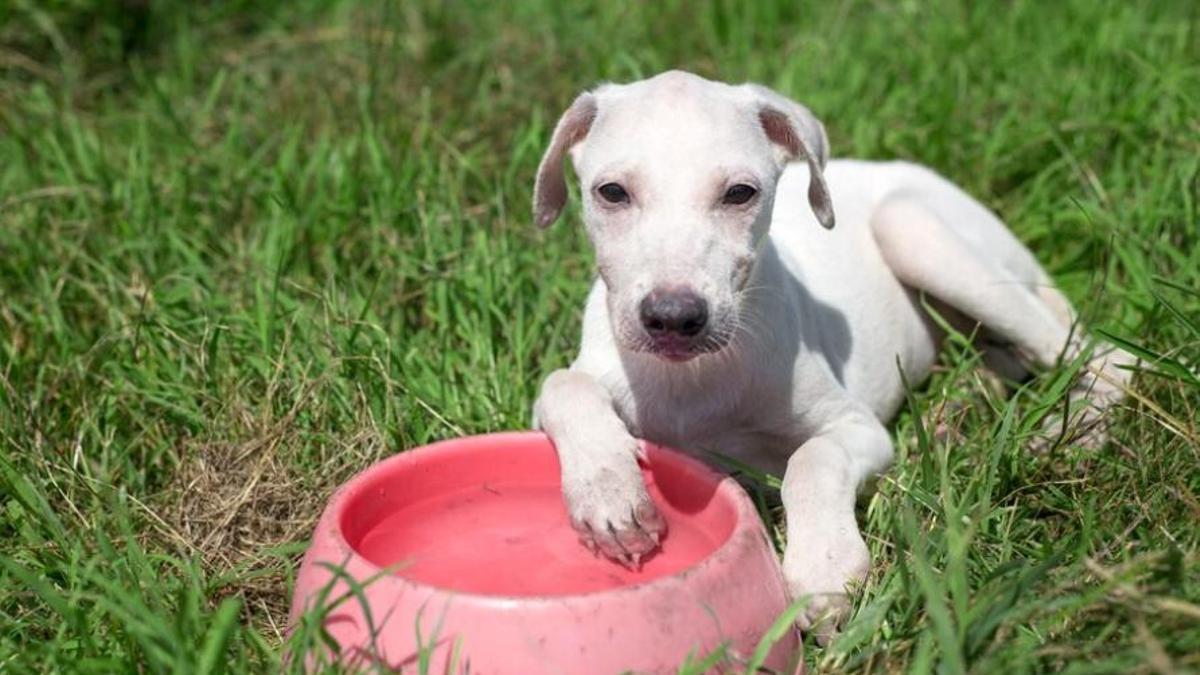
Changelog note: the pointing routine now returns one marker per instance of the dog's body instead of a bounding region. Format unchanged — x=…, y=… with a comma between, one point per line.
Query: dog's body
x=760, y=334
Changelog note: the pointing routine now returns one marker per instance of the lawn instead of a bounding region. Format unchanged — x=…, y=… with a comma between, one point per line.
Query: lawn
x=247, y=249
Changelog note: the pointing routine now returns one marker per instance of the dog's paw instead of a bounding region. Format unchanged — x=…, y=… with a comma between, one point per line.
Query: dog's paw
x=1087, y=428
x=611, y=509
x=823, y=566
x=1102, y=385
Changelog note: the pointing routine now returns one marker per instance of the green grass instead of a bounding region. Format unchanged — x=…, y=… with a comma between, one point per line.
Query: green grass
x=247, y=249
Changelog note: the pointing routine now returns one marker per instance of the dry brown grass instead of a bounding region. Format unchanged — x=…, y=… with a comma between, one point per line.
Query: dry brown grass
x=245, y=509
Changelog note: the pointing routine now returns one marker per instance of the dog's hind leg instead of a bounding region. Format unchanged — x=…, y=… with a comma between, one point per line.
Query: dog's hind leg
x=929, y=254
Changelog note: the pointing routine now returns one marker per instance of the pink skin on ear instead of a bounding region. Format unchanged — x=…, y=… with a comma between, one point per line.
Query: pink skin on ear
x=782, y=131
x=550, y=187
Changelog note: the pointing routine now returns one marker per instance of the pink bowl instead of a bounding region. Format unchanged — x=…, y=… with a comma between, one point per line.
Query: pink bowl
x=468, y=558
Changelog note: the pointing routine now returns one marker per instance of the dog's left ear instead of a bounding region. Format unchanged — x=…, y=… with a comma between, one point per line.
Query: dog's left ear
x=550, y=188
x=793, y=127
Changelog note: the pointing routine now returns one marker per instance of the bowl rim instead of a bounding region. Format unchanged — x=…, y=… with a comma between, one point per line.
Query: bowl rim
x=746, y=516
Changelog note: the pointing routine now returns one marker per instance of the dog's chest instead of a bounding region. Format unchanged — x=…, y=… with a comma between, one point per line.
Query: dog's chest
x=717, y=417
x=679, y=420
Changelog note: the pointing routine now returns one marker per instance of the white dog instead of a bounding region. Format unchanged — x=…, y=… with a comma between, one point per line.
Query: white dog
x=727, y=318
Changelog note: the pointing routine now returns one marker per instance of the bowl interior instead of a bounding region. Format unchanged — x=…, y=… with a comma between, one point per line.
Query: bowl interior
x=485, y=515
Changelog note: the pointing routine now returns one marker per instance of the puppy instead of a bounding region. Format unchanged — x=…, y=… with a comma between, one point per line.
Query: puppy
x=757, y=299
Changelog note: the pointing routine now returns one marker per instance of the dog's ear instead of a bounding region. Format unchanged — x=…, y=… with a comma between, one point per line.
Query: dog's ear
x=550, y=187
x=793, y=128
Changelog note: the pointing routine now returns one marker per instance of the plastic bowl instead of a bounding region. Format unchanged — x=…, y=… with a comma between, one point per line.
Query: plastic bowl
x=462, y=553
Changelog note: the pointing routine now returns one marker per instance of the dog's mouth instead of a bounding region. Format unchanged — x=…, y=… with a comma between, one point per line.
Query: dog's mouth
x=677, y=349
x=674, y=350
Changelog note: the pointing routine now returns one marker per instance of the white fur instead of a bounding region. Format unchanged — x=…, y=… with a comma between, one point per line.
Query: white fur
x=815, y=324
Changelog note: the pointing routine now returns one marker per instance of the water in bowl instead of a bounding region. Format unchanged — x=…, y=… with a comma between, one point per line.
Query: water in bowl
x=515, y=539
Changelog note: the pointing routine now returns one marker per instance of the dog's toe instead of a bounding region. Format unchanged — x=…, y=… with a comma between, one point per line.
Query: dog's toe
x=605, y=541
x=1087, y=429
x=635, y=540
x=824, y=616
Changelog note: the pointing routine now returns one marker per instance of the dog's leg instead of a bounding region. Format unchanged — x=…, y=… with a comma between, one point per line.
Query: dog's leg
x=825, y=553
x=927, y=254
x=603, y=488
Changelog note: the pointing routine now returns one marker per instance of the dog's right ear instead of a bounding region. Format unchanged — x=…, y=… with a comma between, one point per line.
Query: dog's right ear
x=794, y=128
x=550, y=188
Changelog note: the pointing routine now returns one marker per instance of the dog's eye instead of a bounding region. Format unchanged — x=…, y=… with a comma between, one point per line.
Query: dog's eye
x=739, y=194
x=613, y=193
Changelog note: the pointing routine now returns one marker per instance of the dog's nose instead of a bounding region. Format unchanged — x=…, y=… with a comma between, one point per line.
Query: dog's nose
x=673, y=312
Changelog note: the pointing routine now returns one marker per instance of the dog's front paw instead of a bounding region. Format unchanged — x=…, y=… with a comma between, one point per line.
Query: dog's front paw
x=823, y=565
x=611, y=509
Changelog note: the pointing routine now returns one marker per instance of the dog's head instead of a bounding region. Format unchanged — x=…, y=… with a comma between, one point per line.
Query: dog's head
x=678, y=178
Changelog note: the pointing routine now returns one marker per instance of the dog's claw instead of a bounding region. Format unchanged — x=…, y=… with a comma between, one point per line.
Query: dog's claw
x=631, y=561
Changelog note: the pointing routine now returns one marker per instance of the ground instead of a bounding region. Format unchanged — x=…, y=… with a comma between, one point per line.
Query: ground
x=247, y=249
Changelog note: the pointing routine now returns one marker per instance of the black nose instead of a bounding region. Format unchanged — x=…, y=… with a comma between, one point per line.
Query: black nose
x=673, y=312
